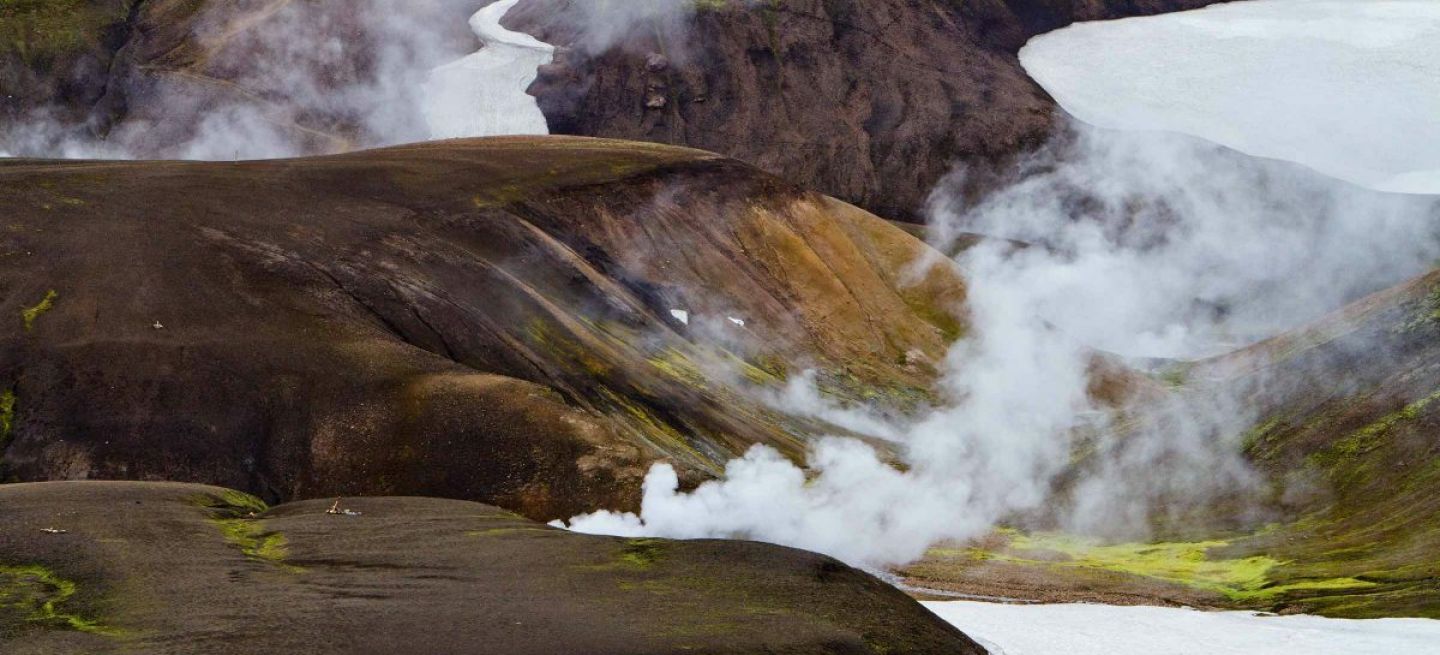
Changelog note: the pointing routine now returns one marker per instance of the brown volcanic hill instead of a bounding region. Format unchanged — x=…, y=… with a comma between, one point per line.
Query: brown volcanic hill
x=485, y=319
x=170, y=568
x=871, y=101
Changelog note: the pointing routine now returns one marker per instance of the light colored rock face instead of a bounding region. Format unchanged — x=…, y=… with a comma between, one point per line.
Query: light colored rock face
x=484, y=94
x=1350, y=89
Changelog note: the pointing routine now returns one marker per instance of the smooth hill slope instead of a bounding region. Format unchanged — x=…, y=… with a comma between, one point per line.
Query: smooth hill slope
x=487, y=319
x=169, y=568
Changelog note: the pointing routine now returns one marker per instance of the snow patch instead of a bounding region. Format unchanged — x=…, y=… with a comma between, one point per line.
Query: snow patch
x=484, y=94
x=1350, y=89
x=1084, y=629
x=681, y=315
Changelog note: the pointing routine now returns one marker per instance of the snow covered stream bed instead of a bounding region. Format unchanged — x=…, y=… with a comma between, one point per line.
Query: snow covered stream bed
x=1085, y=629
x=1350, y=88
x=484, y=94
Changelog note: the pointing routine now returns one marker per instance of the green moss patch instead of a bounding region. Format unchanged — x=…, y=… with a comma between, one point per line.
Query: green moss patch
x=1246, y=581
x=234, y=514
x=40, y=31
x=642, y=553
x=1370, y=437
x=251, y=538
x=37, y=596
x=7, y=418
x=1184, y=563
x=31, y=314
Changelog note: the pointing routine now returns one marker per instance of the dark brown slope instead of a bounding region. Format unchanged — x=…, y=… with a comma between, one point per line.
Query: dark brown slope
x=167, y=568
x=484, y=319
x=871, y=101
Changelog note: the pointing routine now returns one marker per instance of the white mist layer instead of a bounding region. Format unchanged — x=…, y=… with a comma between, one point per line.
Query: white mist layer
x=484, y=94
x=1145, y=243
x=1349, y=88
x=392, y=86
x=1082, y=629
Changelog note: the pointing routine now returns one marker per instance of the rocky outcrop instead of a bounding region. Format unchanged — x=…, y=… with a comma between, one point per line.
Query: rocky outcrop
x=527, y=322
x=99, y=568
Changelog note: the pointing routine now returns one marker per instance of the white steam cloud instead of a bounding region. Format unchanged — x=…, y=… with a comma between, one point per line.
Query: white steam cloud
x=317, y=77
x=1143, y=245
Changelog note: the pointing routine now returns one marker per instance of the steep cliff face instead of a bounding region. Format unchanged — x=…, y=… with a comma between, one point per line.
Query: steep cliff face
x=528, y=322
x=870, y=101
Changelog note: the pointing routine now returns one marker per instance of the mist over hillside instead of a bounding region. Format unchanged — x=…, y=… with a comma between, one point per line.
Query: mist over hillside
x=1008, y=301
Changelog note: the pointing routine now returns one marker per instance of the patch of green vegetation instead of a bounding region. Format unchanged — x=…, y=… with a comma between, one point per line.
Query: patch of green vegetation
x=1251, y=442
x=1273, y=592
x=642, y=553
x=233, y=503
x=250, y=537
x=500, y=532
x=234, y=515
x=1423, y=314
x=1184, y=563
x=37, y=595
x=7, y=418
x=1176, y=375
x=567, y=349
x=1241, y=580
x=1371, y=437
x=40, y=31
x=31, y=314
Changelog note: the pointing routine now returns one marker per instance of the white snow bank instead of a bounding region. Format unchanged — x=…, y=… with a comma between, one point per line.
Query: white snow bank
x=1082, y=629
x=1350, y=88
x=484, y=93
